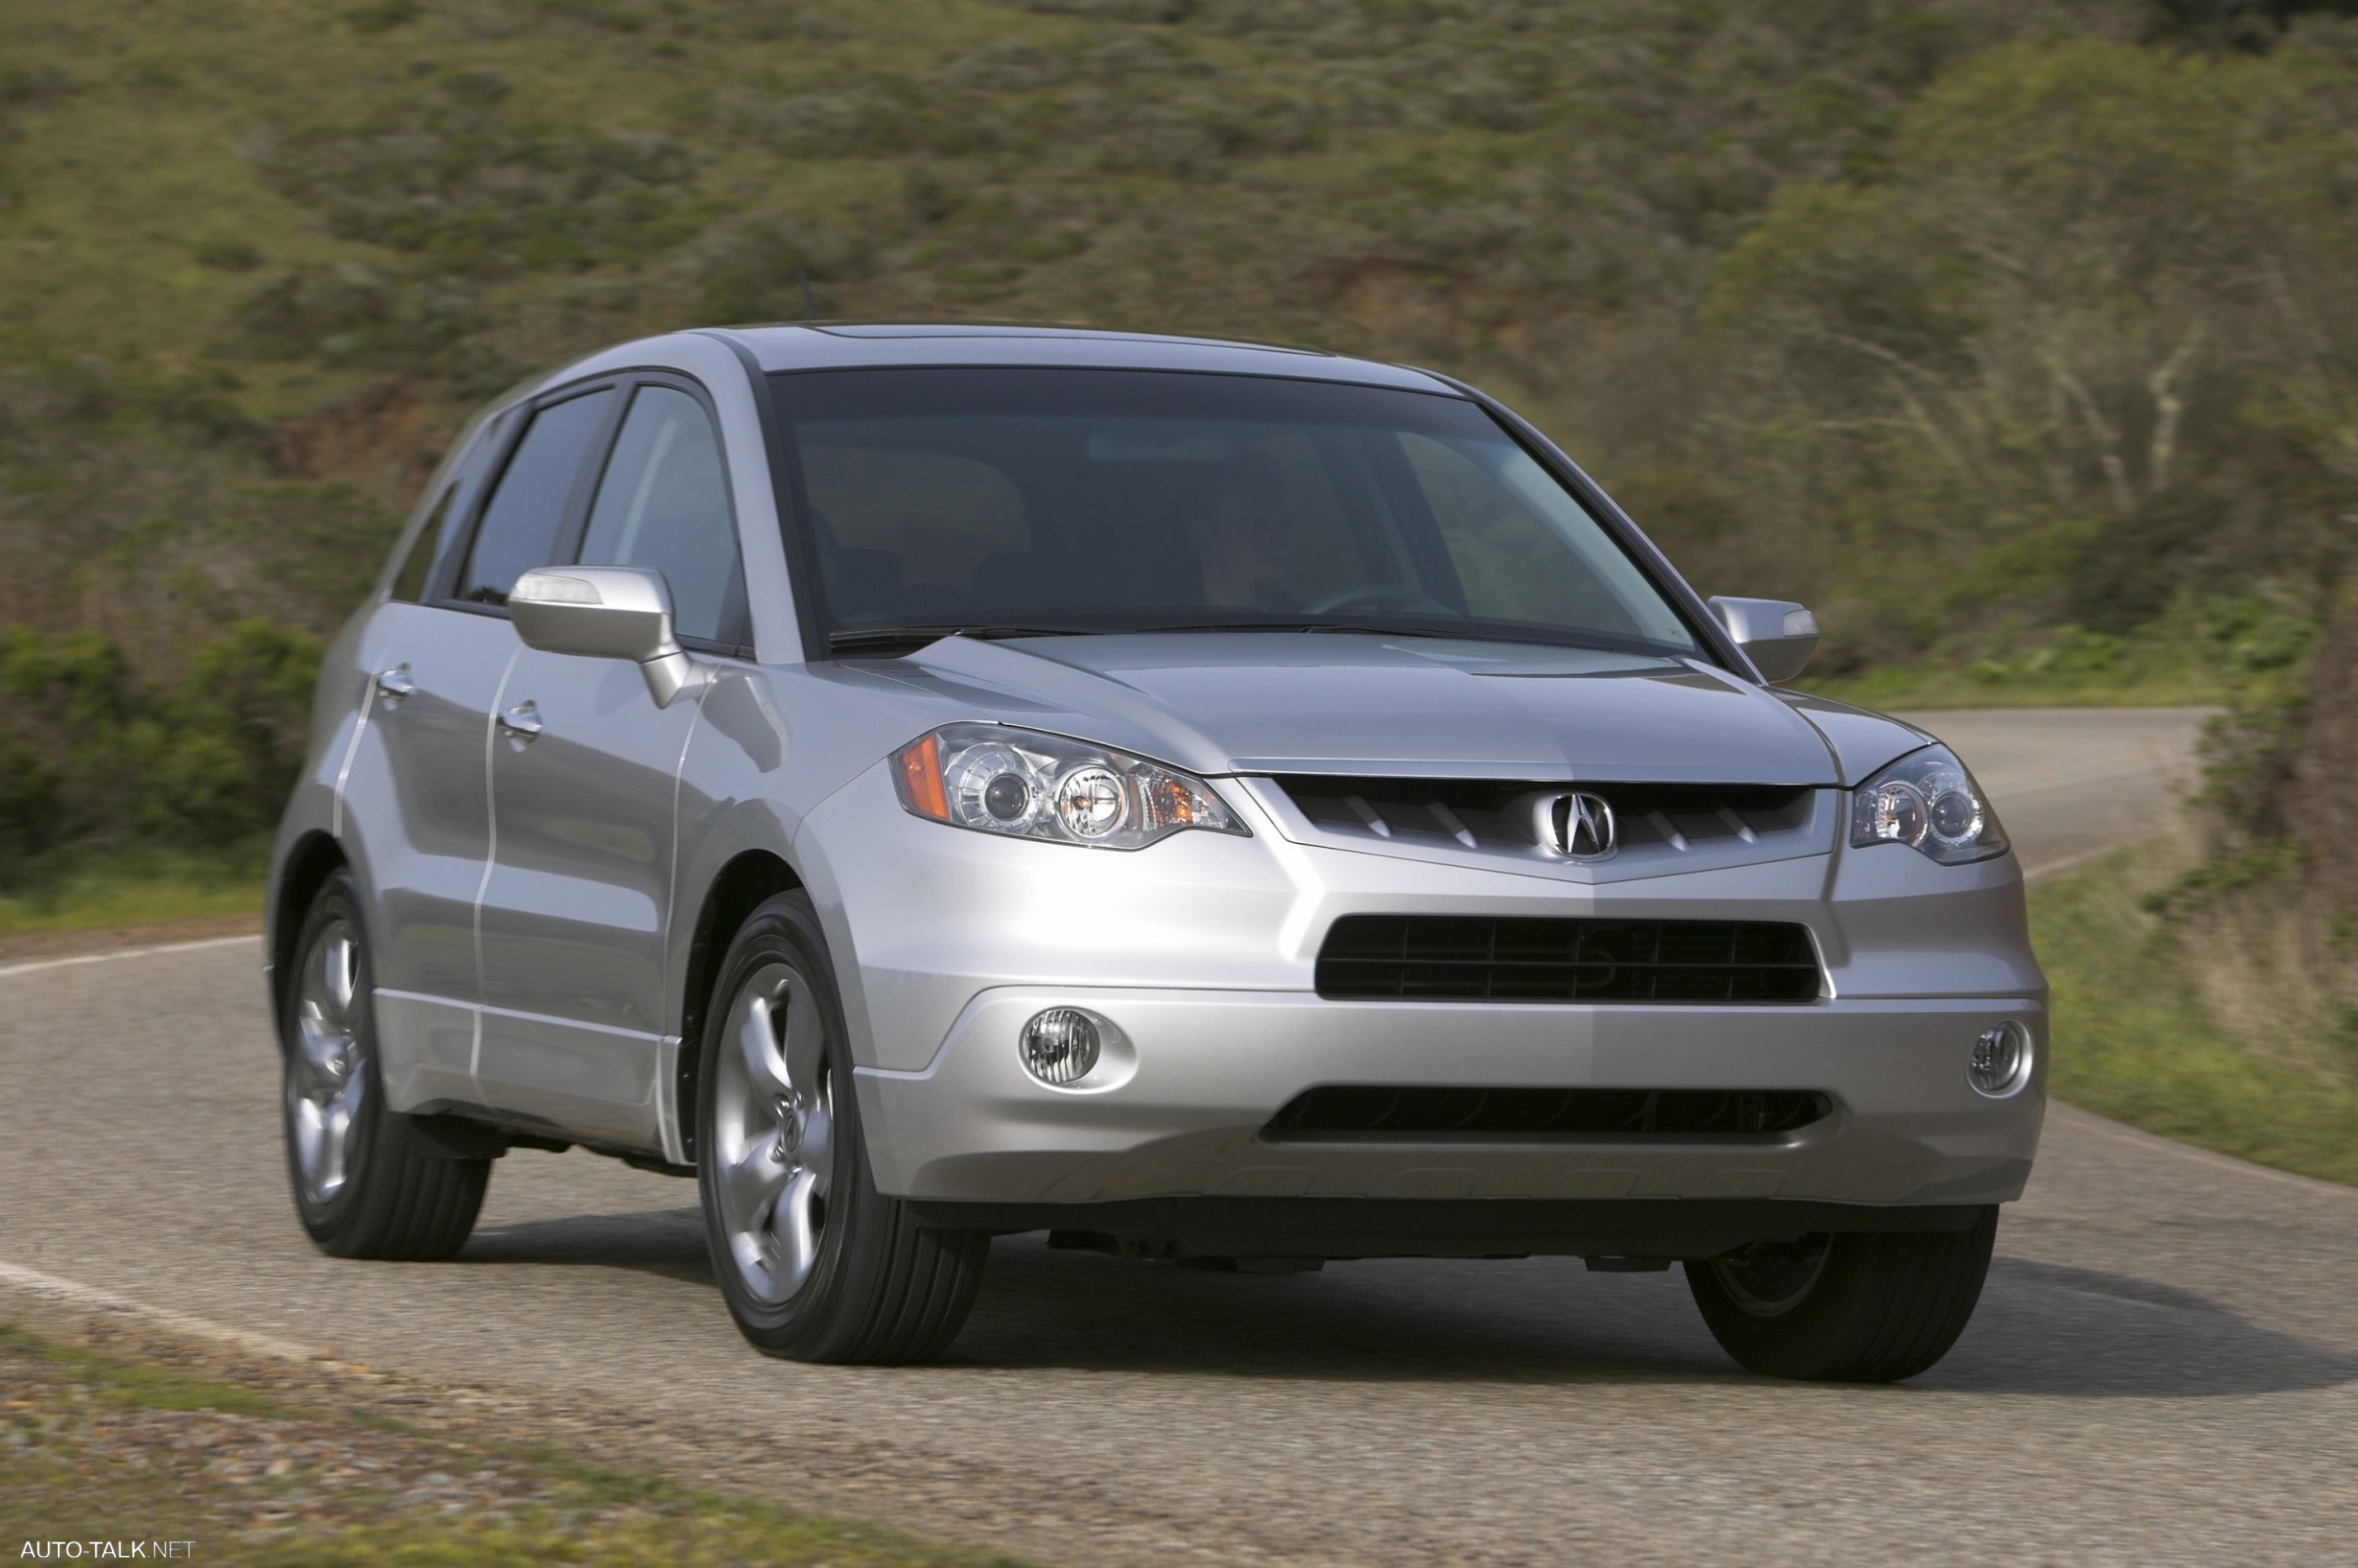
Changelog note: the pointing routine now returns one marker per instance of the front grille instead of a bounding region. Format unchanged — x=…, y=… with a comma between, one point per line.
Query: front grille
x=1341, y=1111
x=1450, y=958
x=1485, y=816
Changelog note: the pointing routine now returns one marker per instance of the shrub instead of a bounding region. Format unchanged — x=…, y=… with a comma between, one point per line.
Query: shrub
x=87, y=752
x=455, y=172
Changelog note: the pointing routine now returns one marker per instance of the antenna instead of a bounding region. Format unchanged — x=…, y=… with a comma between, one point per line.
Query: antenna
x=802, y=275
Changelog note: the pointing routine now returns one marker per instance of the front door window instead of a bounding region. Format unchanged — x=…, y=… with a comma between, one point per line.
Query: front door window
x=664, y=503
x=519, y=530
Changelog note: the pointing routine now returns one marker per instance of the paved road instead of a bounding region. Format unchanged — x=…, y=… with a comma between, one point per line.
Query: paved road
x=2070, y=781
x=2163, y=1368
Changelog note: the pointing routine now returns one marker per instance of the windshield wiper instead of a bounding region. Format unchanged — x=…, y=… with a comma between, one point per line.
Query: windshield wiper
x=1455, y=633
x=1310, y=625
x=909, y=638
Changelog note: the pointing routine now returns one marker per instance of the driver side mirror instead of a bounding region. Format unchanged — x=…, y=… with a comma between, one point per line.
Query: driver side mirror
x=612, y=612
x=1776, y=635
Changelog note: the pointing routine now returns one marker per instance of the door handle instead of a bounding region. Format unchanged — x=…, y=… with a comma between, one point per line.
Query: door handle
x=521, y=722
x=395, y=683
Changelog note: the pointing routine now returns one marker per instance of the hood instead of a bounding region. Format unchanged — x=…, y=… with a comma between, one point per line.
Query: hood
x=1350, y=704
x=1863, y=740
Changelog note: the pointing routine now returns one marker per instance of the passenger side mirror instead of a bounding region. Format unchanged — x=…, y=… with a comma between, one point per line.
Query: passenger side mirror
x=1776, y=635
x=611, y=612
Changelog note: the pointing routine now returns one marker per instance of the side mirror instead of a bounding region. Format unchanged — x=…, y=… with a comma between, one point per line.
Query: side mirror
x=1776, y=635
x=606, y=612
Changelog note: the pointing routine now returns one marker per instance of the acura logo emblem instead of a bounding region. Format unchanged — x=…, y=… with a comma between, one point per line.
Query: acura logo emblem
x=1579, y=825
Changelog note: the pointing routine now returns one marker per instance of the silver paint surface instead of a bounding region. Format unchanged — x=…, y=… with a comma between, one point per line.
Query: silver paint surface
x=578, y=905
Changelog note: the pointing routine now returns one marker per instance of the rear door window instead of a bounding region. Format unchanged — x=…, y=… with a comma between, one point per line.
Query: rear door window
x=520, y=527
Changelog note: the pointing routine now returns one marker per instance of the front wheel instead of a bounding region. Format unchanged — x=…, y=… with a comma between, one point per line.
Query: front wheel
x=816, y=1264
x=1862, y=1308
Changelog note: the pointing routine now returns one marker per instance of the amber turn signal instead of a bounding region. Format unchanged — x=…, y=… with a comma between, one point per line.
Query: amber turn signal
x=920, y=766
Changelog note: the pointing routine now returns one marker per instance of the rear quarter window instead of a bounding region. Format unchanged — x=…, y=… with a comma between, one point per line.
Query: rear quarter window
x=409, y=582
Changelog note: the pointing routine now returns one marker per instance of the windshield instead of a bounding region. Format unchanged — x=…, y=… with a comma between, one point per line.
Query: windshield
x=1010, y=500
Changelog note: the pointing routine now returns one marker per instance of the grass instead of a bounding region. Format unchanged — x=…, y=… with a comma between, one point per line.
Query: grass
x=2137, y=1040
x=2195, y=655
x=91, y=889
x=96, y=1445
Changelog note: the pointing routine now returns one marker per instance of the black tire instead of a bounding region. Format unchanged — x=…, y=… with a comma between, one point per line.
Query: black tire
x=1863, y=1308
x=855, y=1277
x=394, y=1194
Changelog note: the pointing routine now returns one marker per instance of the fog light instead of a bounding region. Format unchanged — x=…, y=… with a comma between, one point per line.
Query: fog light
x=1061, y=1045
x=2002, y=1059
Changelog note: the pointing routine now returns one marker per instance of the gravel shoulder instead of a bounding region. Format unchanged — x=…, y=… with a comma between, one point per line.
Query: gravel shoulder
x=33, y=947
x=111, y=1431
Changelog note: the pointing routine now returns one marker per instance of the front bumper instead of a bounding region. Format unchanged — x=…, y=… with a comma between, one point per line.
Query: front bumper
x=1201, y=952
x=1186, y=1112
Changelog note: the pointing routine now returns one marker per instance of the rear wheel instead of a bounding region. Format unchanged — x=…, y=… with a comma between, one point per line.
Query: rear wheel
x=1868, y=1307
x=366, y=1185
x=814, y=1263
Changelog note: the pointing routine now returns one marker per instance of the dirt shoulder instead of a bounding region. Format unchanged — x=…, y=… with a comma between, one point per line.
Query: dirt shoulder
x=31, y=947
x=110, y=1431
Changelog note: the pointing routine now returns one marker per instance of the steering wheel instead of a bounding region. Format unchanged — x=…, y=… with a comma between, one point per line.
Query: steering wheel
x=1379, y=596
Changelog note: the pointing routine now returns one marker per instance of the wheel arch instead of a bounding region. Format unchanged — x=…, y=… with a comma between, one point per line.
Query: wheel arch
x=747, y=881
x=309, y=863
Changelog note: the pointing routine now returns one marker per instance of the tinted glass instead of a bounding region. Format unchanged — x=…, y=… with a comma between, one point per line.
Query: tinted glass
x=664, y=503
x=409, y=584
x=519, y=530
x=1132, y=500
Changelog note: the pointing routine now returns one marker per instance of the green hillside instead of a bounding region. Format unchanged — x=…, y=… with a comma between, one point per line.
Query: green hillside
x=2014, y=334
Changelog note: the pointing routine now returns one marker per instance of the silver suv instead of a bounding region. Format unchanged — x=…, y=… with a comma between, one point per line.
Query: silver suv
x=1211, y=803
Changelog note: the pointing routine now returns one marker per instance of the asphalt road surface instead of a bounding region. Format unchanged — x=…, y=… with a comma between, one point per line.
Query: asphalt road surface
x=2162, y=1367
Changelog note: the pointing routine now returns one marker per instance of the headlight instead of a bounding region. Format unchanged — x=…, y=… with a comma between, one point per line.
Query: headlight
x=1926, y=800
x=1025, y=784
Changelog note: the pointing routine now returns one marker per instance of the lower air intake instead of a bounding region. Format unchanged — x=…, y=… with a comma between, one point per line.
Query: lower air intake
x=1455, y=958
x=1353, y=1111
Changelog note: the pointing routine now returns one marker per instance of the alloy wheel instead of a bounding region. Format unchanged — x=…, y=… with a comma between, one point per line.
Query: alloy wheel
x=774, y=1135
x=325, y=1082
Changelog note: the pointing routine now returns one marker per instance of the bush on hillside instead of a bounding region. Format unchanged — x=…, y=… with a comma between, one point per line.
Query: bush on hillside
x=455, y=171
x=88, y=752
